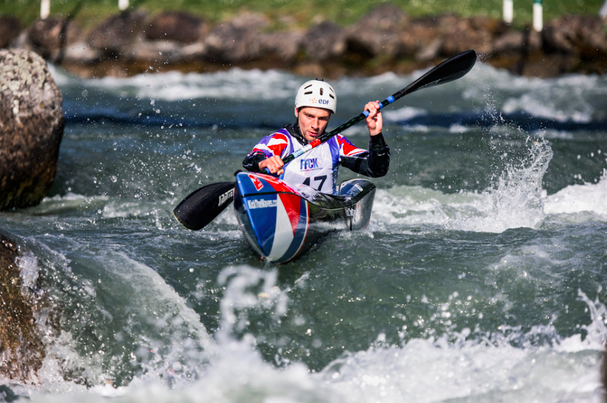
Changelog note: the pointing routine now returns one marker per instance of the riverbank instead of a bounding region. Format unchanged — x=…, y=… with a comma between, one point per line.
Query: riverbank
x=385, y=39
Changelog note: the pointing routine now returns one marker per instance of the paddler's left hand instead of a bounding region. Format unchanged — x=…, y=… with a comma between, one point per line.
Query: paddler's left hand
x=375, y=122
x=274, y=165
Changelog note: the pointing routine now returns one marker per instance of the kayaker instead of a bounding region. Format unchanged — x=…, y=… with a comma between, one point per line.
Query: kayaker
x=315, y=103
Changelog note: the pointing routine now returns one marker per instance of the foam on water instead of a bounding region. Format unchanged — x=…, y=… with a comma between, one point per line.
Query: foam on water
x=516, y=199
x=463, y=365
x=402, y=114
x=173, y=86
x=128, y=301
x=234, y=83
x=468, y=370
x=569, y=98
x=68, y=202
x=589, y=197
x=169, y=356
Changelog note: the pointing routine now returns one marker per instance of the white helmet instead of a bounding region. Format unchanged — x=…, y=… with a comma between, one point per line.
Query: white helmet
x=318, y=94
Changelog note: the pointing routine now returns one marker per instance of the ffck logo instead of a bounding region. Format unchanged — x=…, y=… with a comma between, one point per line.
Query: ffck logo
x=308, y=164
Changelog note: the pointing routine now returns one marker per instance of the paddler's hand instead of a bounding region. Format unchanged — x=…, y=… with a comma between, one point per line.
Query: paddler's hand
x=375, y=122
x=274, y=165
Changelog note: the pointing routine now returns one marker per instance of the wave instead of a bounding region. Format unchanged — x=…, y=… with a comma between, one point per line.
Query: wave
x=589, y=198
x=519, y=119
x=486, y=97
x=506, y=363
x=514, y=200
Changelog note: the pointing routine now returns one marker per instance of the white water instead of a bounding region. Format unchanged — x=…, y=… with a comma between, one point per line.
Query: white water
x=466, y=365
x=186, y=365
x=516, y=200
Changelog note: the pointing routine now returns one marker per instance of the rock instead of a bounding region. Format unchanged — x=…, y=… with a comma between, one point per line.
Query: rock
x=115, y=33
x=174, y=26
x=281, y=47
x=10, y=27
x=509, y=51
x=422, y=39
x=386, y=39
x=533, y=41
x=377, y=33
x=430, y=51
x=50, y=37
x=82, y=53
x=194, y=50
x=509, y=42
x=21, y=347
x=547, y=66
x=582, y=35
x=31, y=127
x=470, y=33
x=324, y=41
x=155, y=52
x=237, y=40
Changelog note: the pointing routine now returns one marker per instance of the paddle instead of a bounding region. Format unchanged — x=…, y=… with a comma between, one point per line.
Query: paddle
x=203, y=205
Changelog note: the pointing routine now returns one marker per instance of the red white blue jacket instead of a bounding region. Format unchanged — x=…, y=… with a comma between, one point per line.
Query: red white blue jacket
x=318, y=167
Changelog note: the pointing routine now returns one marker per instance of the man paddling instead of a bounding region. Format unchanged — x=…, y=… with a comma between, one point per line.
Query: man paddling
x=315, y=102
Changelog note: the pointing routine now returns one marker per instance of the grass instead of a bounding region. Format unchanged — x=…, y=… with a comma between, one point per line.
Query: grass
x=298, y=13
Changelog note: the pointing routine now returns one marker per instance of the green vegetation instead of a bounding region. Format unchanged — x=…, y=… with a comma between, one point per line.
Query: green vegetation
x=298, y=13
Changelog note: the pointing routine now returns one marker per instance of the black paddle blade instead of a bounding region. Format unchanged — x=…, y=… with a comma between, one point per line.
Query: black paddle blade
x=449, y=70
x=202, y=206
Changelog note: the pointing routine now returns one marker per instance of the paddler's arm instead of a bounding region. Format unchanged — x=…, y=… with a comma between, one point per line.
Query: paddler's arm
x=373, y=163
x=257, y=161
x=376, y=161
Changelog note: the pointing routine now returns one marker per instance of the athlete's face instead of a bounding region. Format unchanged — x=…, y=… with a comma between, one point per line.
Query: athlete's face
x=312, y=121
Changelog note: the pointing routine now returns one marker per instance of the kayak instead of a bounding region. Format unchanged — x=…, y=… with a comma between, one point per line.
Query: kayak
x=280, y=222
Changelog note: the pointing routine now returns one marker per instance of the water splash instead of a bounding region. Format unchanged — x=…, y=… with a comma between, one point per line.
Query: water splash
x=247, y=289
x=516, y=198
x=503, y=365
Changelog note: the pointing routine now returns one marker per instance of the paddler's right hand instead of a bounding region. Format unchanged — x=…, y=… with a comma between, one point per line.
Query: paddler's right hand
x=274, y=165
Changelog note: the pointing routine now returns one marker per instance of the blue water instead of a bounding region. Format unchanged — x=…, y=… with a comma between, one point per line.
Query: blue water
x=479, y=279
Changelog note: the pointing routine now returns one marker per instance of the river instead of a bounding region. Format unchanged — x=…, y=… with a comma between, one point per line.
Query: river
x=479, y=279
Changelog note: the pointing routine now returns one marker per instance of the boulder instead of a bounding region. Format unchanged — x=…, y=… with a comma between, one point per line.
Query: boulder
x=509, y=42
x=21, y=347
x=422, y=39
x=470, y=33
x=175, y=26
x=31, y=127
x=157, y=52
x=236, y=40
x=50, y=37
x=377, y=33
x=281, y=47
x=10, y=27
x=324, y=41
x=117, y=32
x=580, y=35
x=80, y=53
